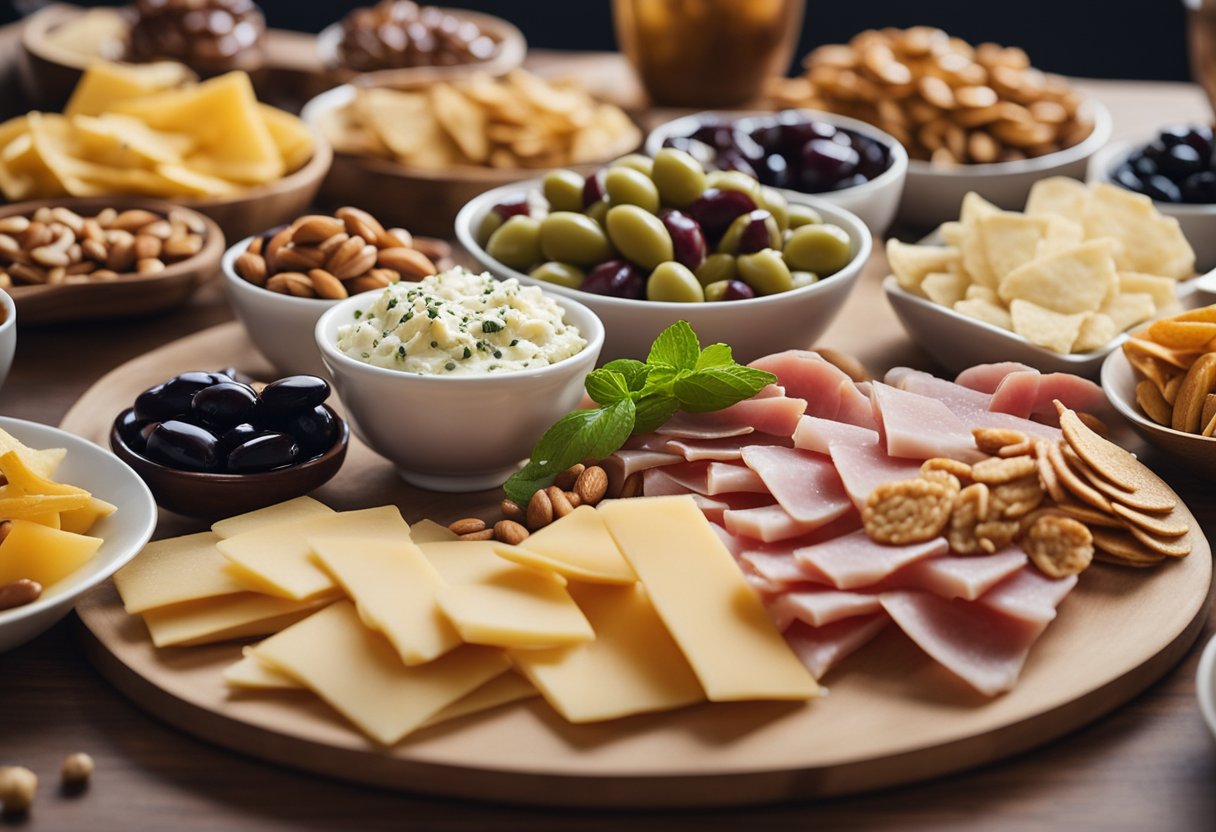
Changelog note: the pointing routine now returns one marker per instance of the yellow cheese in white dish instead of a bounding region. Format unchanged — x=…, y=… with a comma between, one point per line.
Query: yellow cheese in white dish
x=42, y=553
x=428, y=531
x=279, y=558
x=300, y=508
x=577, y=546
x=702, y=598
x=359, y=674
x=175, y=570
x=251, y=673
x=394, y=588
x=501, y=690
x=44, y=462
x=211, y=620
x=633, y=666
x=81, y=520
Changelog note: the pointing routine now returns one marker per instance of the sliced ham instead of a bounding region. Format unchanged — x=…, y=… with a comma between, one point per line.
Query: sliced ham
x=1029, y=596
x=806, y=485
x=979, y=645
x=648, y=442
x=710, y=478
x=951, y=576
x=820, y=605
x=822, y=648
x=775, y=415
x=971, y=406
x=862, y=468
x=855, y=406
x=987, y=377
x=918, y=427
x=623, y=464
x=721, y=450
x=767, y=523
x=816, y=434
x=854, y=560
x=806, y=375
x=715, y=508
x=656, y=482
x=776, y=561
x=1031, y=394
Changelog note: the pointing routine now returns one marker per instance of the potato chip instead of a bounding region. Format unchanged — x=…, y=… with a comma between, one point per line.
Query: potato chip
x=1182, y=335
x=1204, y=313
x=945, y=288
x=911, y=263
x=464, y=121
x=1129, y=308
x=1061, y=233
x=122, y=141
x=1010, y=240
x=1044, y=327
x=975, y=292
x=1162, y=289
x=986, y=311
x=1152, y=243
x=975, y=260
x=1058, y=195
x=951, y=233
x=1135, y=346
x=1096, y=331
x=1070, y=281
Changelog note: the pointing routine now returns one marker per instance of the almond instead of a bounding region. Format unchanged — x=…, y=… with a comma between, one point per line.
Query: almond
x=146, y=247
x=338, y=257
x=394, y=237
x=511, y=510
x=484, y=534
x=293, y=258
x=252, y=267
x=358, y=264
x=149, y=265
x=182, y=246
x=315, y=228
x=510, y=532
x=276, y=242
x=360, y=223
x=299, y=285
x=366, y=283
x=133, y=220
x=409, y=262
x=161, y=229
x=326, y=285
x=540, y=511
x=468, y=525
x=565, y=479
x=557, y=498
x=592, y=485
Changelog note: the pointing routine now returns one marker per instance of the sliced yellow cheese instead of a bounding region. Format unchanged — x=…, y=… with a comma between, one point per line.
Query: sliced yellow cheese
x=251, y=673
x=22, y=477
x=394, y=588
x=493, y=601
x=51, y=519
x=577, y=546
x=105, y=84
x=501, y=690
x=26, y=506
x=707, y=606
x=81, y=520
x=428, y=531
x=290, y=135
x=43, y=554
x=298, y=509
x=210, y=620
x=359, y=674
x=633, y=666
x=279, y=558
x=174, y=571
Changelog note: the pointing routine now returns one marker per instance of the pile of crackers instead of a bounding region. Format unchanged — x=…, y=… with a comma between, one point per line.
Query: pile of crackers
x=1177, y=357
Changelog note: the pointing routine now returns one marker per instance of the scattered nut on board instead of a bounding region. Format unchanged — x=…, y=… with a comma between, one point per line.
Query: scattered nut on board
x=77, y=769
x=18, y=785
x=578, y=485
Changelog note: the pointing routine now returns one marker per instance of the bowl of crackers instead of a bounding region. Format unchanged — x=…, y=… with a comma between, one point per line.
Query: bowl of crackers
x=1055, y=286
x=1163, y=381
x=413, y=155
x=973, y=118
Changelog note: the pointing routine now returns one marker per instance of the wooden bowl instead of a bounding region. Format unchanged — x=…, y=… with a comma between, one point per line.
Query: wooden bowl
x=47, y=72
x=422, y=200
x=210, y=496
x=131, y=295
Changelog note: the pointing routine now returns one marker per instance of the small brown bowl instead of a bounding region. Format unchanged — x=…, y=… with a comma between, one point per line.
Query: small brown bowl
x=209, y=496
x=130, y=295
x=48, y=72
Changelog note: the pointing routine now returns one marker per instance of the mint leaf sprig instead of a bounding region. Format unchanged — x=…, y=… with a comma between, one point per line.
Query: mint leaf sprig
x=639, y=397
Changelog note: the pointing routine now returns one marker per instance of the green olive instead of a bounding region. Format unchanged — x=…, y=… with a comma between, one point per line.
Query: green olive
x=776, y=204
x=563, y=190
x=626, y=186
x=800, y=215
x=490, y=223
x=642, y=164
x=638, y=235
x=733, y=180
x=803, y=279
x=716, y=291
x=673, y=282
x=563, y=274
x=729, y=244
x=717, y=268
x=823, y=249
x=573, y=238
x=679, y=177
x=516, y=243
x=765, y=272
x=598, y=210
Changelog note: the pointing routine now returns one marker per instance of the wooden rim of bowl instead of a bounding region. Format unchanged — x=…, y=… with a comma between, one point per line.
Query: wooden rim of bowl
x=213, y=248
x=36, y=31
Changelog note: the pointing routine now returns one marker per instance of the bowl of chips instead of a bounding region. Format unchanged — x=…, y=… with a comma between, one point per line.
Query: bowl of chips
x=413, y=156
x=1055, y=287
x=8, y=334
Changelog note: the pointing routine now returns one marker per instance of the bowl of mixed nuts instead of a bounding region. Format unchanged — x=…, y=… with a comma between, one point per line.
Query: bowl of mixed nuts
x=281, y=281
x=82, y=259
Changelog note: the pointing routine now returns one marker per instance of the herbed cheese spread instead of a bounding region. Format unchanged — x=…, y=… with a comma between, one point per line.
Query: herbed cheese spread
x=460, y=324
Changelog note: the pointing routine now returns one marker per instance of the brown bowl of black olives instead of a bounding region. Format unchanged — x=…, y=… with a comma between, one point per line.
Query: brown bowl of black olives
x=209, y=444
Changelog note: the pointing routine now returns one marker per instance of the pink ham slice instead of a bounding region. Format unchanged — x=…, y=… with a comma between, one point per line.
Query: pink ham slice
x=776, y=561
x=721, y=450
x=862, y=468
x=820, y=605
x=1030, y=394
x=854, y=560
x=855, y=406
x=806, y=485
x=1029, y=596
x=816, y=434
x=767, y=523
x=623, y=464
x=971, y=407
x=822, y=648
x=918, y=427
x=776, y=415
x=987, y=377
x=648, y=442
x=710, y=478
x=979, y=645
x=959, y=577
x=656, y=482
x=828, y=391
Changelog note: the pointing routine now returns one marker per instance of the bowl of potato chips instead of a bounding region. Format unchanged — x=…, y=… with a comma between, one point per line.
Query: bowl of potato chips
x=1055, y=286
x=414, y=156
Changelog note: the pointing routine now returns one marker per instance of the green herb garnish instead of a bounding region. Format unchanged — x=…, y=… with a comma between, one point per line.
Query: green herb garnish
x=639, y=397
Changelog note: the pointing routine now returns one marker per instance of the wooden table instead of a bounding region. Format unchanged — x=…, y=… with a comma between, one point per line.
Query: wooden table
x=1150, y=765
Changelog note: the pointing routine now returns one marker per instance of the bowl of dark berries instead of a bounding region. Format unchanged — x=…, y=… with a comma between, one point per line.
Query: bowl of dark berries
x=211, y=444
x=846, y=162
x=1176, y=169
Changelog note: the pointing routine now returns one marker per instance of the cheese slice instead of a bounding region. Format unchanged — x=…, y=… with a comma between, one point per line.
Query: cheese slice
x=493, y=601
x=394, y=587
x=428, y=531
x=221, y=619
x=278, y=557
x=175, y=570
x=501, y=690
x=359, y=674
x=633, y=666
x=251, y=673
x=703, y=599
x=577, y=546
x=301, y=508
x=82, y=520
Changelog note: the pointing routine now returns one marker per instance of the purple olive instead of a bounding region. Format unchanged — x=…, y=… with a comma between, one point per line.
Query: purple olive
x=687, y=239
x=263, y=453
x=751, y=232
x=129, y=428
x=738, y=290
x=616, y=278
x=223, y=405
x=293, y=393
x=593, y=189
x=237, y=435
x=716, y=209
x=173, y=397
x=315, y=430
x=183, y=446
x=513, y=206
x=824, y=163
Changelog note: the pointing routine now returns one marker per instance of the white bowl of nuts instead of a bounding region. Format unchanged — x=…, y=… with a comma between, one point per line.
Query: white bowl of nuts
x=8, y=334
x=280, y=282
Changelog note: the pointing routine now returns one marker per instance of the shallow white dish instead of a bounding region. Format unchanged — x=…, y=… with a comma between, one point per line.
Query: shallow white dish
x=8, y=334
x=125, y=532
x=874, y=202
x=1205, y=685
x=933, y=193
x=755, y=327
x=463, y=433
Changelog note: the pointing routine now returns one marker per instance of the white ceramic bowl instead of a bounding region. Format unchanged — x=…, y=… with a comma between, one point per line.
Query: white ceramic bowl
x=280, y=326
x=1198, y=222
x=874, y=202
x=1205, y=685
x=755, y=327
x=8, y=334
x=125, y=532
x=464, y=433
x=933, y=193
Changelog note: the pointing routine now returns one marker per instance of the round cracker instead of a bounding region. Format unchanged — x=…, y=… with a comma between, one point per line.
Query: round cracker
x=1112, y=463
x=1073, y=483
x=1147, y=563
x=1174, y=547
x=1169, y=525
x=1124, y=548
x=1088, y=515
x=1149, y=500
x=1047, y=474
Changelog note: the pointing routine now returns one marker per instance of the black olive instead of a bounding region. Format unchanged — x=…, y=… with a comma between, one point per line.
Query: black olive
x=316, y=430
x=237, y=435
x=263, y=453
x=151, y=404
x=223, y=405
x=164, y=401
x=184, y=446
x=235, y=375
x=294, y=393
x=129, y=429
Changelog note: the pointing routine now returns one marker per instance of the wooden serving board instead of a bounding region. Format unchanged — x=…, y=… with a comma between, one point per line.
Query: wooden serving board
x=892, y=716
